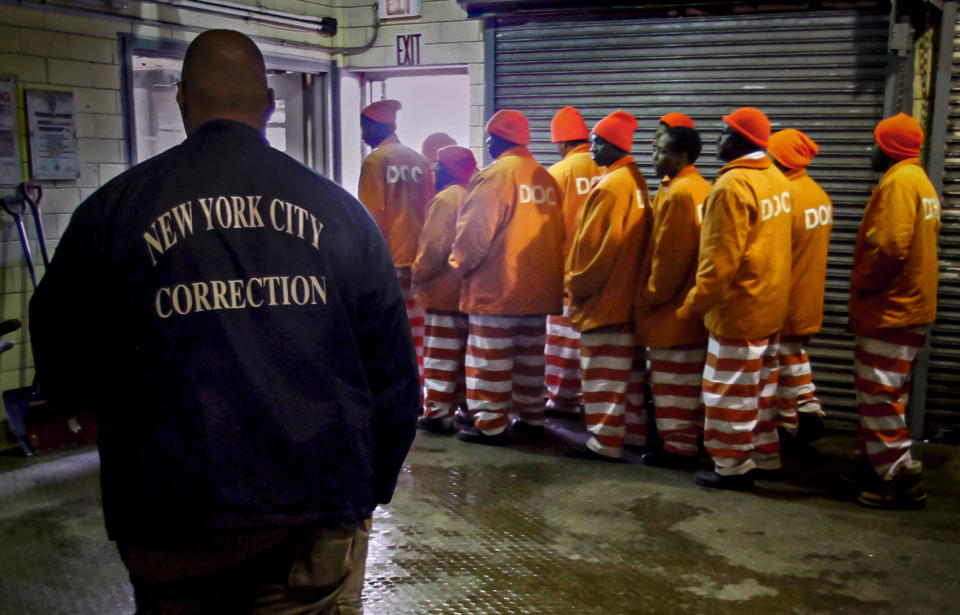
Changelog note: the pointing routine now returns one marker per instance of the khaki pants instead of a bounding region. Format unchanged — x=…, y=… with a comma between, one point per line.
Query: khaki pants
x=298, y=571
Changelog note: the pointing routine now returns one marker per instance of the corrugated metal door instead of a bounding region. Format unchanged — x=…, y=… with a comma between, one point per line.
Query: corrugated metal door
x=943, y=390
x=820, y=72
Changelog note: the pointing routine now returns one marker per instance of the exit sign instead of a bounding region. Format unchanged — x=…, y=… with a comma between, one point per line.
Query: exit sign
x=408, y=49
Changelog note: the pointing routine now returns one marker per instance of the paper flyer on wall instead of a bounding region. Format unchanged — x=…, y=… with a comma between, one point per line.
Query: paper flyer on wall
x=10, y=170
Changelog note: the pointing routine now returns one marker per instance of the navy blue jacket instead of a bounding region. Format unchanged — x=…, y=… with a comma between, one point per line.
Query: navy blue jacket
x=235, y=321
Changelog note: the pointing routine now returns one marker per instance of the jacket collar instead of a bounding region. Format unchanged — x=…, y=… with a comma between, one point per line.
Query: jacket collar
x=516, y=150
x=793, y=174
x=903, y=163
x=227, y=126
x=391, y=139
x=626, y=160
x=750, y=161
x=583, y=147
x=687, y=171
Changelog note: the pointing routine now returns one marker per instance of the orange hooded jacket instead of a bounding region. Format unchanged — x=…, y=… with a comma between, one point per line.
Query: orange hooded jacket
x=743, y=276
x=809, y=242
x=509, y=241
x=395, y=188
x=575, y=175
x=605, y=255
x=895, y=267
x=670, y=264
x=436, y=285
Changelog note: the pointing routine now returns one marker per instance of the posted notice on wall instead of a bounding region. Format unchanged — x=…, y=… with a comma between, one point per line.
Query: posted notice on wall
x=9, y=143
x=52, y=135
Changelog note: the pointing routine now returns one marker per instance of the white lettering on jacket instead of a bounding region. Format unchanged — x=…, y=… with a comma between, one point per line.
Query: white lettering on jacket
x=210, y=295
x=404, y=173
x=931, y=209
x=584, y=184
x=639, y=195
x=537, y=194
x=773, y=208
x=818, y=216
x=226, y=212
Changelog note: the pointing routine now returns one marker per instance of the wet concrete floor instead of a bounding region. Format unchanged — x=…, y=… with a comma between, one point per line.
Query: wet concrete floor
x=478, y=530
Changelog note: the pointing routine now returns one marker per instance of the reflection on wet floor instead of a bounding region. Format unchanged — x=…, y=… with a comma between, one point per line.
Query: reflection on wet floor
x=480, y=530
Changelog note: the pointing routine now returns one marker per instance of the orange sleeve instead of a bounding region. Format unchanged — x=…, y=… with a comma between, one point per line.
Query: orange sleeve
x=885, y=238
x=674, y=247
x=435, y=239
x=723, y=239
x=596, y=243
x=478, y=221
x=371, y=190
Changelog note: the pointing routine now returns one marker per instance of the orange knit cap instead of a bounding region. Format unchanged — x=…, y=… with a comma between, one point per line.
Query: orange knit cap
x=676, y=118
x=458, y=161
x=383, y=111
x=510, y=125
x=568, y=125
x=899, y=136
x=752, y=123
x=617, y=128
x=792, y=148
x=433, y=143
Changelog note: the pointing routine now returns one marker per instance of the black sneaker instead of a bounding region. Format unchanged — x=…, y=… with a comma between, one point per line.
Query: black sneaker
x=810, y=427
x=442, y=425
x=560, y=410
x=474, y=435
x=904, y=491
x=736, y=482
x=534, y=432
x=462, y=418
x=583, y=452
x=663, y=459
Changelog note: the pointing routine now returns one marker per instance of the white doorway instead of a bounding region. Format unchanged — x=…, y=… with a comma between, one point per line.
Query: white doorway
x=433, y=101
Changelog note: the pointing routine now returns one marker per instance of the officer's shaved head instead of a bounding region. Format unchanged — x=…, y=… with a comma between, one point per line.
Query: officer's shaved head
x=224, y=78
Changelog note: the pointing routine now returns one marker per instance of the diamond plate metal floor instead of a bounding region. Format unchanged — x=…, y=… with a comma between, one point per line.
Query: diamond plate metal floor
x=523, y=530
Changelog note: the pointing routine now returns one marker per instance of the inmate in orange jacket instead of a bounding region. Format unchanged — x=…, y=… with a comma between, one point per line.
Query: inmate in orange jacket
x=395, y=188
x=895, y=268
x=575, y=175
x=436, y=285
x=670, y=264
x=605, y=255
x=809, y=242
x=743, y=274
x=509, y=243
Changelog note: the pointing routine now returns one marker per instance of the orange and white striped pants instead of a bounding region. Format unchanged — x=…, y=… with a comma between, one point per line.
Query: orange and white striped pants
x=612, y=368
x=676, y=376
x=795, y=389
x=444, y=346
x=504, y=369
x=740, y=416
x=883, y=365
x=415, y=314
x=562, y=372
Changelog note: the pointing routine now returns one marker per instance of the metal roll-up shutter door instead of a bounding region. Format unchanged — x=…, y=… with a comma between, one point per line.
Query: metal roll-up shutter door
x=943, y=390
x=820, y=72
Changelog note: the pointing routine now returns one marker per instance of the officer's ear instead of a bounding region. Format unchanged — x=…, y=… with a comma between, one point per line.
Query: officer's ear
x=271, y=105
x=182, y=102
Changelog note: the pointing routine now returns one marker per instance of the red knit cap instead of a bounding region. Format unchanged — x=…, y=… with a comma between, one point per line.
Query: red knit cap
x=383, y=111
x=433, y=143
x=617, y=128
x=752, y=123
x=899, y=136
x=676, y=118
x=568, y=125
x=510, y=125
x=458, y=161
x=792, y=148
